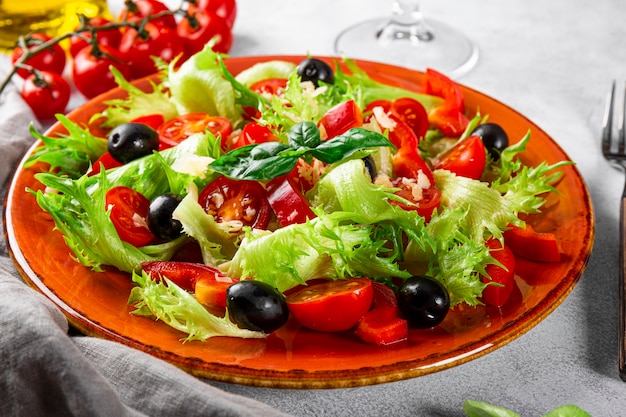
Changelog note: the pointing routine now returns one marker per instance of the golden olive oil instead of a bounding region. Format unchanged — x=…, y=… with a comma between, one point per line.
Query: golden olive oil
x=20, y=17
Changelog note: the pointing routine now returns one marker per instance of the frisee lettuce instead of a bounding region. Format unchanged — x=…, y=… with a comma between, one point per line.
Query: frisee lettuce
x=179, y=309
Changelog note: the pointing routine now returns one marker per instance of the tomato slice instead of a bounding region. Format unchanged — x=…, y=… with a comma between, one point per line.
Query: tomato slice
x=181, y=127
x=341, y=118
x=413, y=113
x=467, y=158
x=254, y=133
x=287, y=202
x=245, y=201
x=331, y=306
x=270, y=86
x=129, y=210
x=503, y=278
x=153, y=120
x=532, y=245
x=426, y=200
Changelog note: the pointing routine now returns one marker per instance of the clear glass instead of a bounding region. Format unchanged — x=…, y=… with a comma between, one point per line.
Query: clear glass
x=408, y=39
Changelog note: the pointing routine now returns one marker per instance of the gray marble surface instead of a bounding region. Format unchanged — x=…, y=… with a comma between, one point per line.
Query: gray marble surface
x=552, y=61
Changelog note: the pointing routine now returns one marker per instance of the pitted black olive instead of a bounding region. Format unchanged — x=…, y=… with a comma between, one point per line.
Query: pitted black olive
x=130, y=141
x=255, y=305
x=160, y=219
x=316, y=70
x=423, y=301
x=494, y=138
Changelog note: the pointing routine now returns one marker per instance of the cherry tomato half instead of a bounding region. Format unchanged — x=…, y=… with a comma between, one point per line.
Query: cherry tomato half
x=413, y=113
x=51, y=59
x=227, y=199
x=425, y=204
x=129, y=210
x=181, y=127
x=466, y=159
x=254, y=133
x=270, y=86
x=46, y=94
x=332, y=306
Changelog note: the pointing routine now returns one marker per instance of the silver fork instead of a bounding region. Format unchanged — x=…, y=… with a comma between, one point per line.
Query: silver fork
x=613, y=150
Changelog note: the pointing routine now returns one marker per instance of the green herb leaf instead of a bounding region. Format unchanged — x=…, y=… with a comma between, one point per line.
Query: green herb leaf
x=345, y=145
x=304, y=135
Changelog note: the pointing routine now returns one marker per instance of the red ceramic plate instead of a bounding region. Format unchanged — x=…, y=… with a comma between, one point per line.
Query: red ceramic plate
x=96, y=303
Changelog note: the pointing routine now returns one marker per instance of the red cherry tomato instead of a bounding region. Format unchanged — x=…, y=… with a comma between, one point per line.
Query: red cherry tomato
x=109, y=37
x=153, y=120
x=270, y=86
x=466, y=159
x=254, y=133
x=341, y=118
x=227, y=199
x=145, y=8
x=91, y=73
x=46, y=94
x=530, y=244
x=413, y=113
x=425, y=204
x=129, y=210
x=51, y=59
x=161, y=42
x=209, y=25
x=181, y=127
x=331, y=306
x=503, y=278
x=288, y=202
x=227, y=9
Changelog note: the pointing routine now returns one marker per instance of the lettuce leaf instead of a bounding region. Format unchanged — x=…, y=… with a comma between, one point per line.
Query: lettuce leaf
x=179, y=309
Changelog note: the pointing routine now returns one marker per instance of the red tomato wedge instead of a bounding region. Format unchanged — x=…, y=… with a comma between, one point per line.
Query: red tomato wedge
x=331, y=306
x=181, y=127
x=504, y=278
x=272, y=86
x=287, y=201
x=529, y=244
x=341, y=118
x=467, y=158
x=254, y=133
x=129, y=210
x=245, y=201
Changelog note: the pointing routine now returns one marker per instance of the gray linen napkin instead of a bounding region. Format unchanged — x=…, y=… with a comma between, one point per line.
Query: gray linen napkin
x=46, y=372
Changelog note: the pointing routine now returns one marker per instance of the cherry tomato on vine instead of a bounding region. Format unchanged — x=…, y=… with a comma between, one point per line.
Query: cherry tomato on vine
x=467, y=158
x=226, y=9
x=147, y=8
x=181, y=127
x=245, y=201
x=109, y=37
x=47, y=93
x=51, y=59
x=209, y=26
x=137, y=51
x=331, y=306
x=91, y=73
x=129, y=211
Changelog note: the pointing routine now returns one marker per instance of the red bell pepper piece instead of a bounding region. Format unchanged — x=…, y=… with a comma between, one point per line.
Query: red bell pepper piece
x=288, y=202
x=449, y=116
x=532, y=245
x=382, y=325
x=106, y=161
x=504, y=278
x=341, y=118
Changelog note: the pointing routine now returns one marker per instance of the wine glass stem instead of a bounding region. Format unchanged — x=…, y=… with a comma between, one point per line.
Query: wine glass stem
x=407, y=22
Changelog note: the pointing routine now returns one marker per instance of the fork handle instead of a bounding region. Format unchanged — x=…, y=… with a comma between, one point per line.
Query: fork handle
x=622, y=292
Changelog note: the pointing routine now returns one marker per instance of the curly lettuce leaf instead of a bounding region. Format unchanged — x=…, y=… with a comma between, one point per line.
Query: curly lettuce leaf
x=138, y=103
x=69, y=154
x=323, y=247
x=179, y=309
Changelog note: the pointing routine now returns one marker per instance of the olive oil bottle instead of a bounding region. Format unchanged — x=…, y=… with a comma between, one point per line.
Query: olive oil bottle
x=20, y=17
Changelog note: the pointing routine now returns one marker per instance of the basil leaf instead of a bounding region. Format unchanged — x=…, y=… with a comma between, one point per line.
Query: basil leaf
x=260, y=162
x=304, y=135
x=345, y=145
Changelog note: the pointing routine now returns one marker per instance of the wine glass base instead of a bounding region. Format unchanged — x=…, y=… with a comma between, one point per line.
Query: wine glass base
x=431, y=44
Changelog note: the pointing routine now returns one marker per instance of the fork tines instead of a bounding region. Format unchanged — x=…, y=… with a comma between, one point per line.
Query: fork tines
x=610, y=147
